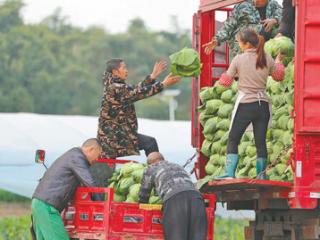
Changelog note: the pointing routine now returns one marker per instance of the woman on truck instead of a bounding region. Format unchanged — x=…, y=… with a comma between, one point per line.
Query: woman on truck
x=252, y=106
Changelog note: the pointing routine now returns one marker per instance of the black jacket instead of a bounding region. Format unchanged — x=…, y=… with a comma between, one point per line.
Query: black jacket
x=287, y=23
x=59, y=183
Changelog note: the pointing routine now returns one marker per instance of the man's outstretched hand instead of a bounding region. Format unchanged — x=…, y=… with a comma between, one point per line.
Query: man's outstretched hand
x=210, y=46
x=159, y=67
x=268, y=24
x=170, y=80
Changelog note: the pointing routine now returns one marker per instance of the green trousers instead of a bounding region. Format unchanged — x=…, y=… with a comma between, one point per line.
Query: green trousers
x=47, y=222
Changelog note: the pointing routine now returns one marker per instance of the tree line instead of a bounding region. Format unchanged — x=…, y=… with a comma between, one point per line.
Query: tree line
x=55, y=68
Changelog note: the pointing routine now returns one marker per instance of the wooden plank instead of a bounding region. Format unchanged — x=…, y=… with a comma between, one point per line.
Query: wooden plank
x=246, y=183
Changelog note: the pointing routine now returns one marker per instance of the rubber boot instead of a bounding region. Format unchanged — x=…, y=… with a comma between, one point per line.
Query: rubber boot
x=231, y=165
x=261, y=167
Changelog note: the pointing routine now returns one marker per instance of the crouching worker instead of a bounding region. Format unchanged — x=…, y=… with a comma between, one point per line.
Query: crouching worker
x=58, y=186
x=253, y=105
x=184, y=215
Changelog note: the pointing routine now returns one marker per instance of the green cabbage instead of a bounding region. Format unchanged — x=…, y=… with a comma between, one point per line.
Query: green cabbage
x=137, y=175
x=209, y=168
x=280, y=168
x=207, y=93
x=155, y=200
x=251, y=151
x=224, y=124
x=215, y=159
x=283, y=122
x=225, y=110
x=212, y=106
x=227, y=96
x=281, y=44
x=219, y=89
x=205, y=148
x=204, y=117
x=118, y=197
x=130, y=199
x=218, y=135
x=124, y=185
x=185, y=63
x=134, y=191
x=215, y=147
x=210, y=126
x=128, y=168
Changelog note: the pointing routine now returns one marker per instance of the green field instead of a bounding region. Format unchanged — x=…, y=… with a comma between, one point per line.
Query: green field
x=17, y=228
x=11, y=197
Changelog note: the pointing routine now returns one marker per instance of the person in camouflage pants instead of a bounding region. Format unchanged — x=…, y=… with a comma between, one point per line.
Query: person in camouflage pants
x=262, y=15
x=118, y=126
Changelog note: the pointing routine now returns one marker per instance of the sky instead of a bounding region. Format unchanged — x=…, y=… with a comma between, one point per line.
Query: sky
x=114, y=15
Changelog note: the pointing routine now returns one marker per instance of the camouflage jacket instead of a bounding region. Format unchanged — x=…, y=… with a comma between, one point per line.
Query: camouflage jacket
x=245, y=15
x=167, y=178
x=118, y=123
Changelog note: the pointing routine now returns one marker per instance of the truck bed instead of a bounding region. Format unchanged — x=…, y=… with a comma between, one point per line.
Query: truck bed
x=248, y=194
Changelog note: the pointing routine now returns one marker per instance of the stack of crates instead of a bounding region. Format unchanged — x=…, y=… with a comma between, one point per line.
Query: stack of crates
x=87, y=219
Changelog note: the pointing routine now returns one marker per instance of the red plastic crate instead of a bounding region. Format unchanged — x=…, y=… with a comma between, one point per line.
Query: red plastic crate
x=87, y=219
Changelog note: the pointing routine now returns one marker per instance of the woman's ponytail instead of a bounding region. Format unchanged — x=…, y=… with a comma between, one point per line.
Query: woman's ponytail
x=261, y=58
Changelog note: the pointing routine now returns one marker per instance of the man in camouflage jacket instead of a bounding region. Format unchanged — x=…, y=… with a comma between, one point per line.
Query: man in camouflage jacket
x=118, y=126
x=263, y=15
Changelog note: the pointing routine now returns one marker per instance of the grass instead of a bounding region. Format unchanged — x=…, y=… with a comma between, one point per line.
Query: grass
x=6, y=196
x=17, y=228
x=229, y=229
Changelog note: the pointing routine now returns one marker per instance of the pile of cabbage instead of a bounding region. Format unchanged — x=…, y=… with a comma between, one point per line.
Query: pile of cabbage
x=126, y=182
x=185, y=63
x=282, y=45
x=215, y=116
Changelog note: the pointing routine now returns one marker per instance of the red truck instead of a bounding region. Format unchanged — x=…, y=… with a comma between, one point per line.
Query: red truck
x=86, y=219
x=283, y=210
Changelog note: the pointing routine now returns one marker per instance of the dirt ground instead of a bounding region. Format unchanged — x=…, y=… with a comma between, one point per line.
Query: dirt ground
x=14, y=209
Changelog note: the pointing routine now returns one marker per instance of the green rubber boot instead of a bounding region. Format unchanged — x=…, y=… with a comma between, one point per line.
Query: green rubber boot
x=231, y=165
x=261, y=167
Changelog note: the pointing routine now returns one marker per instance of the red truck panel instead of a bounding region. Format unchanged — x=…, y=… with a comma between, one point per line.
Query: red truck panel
x=204, y=28
x=205, y=24
x=307, y=105
x=87, y=219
